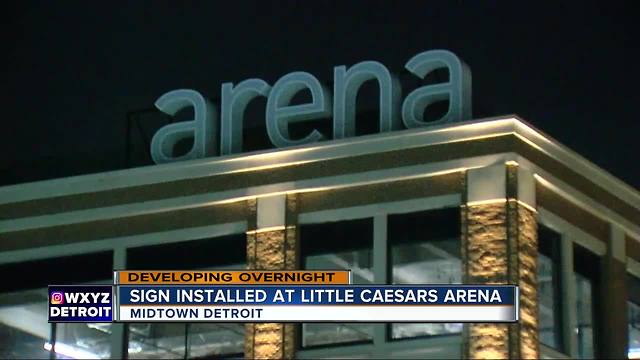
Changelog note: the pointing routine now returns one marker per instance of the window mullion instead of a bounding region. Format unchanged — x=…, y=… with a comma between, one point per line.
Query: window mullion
x=380, y=269
x=569, y=306
x=119, y=336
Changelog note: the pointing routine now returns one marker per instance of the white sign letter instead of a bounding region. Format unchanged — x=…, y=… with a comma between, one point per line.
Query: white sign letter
x=234, y=102
x=345, y=92
x=202, y=128
x=279, y=115
x=457, y=90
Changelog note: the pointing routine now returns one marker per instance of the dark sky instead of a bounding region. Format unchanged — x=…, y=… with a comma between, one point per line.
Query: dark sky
x=73, y=70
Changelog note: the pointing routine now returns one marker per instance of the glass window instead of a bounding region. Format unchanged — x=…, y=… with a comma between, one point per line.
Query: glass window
x=88, y=341
x=549, y=288
x=425, y=249
x=633, y=309
x=195, y=340
x=228, y=340
x=205, y=340
x=584, y=330
x=338, y=245
x=586, y=265
x=157, y=341
x=24, y=328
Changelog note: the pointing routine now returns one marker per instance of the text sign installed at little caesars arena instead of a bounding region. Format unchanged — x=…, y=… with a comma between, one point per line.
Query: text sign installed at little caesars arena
x=325, y=303
x=275, y=296
x=212, y=137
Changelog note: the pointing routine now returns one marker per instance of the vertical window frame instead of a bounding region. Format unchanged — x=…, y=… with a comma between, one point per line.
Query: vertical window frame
x=571, y=234
x=449, y=347
x=558, y=261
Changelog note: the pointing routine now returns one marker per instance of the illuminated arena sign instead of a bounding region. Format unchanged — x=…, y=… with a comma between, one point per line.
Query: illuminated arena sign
x=211, y=138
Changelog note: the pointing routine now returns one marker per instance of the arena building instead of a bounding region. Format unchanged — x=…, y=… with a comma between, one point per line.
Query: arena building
x=484, y=201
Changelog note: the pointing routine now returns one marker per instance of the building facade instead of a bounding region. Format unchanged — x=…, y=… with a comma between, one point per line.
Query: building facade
x=486, y=201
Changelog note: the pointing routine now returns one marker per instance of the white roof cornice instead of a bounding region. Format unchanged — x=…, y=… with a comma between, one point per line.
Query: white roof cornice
x=334, y=149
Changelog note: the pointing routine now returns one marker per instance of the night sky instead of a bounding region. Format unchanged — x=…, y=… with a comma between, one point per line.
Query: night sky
x=74, y=70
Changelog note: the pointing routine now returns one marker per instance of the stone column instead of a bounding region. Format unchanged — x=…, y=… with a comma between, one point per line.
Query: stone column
x=272, y=244
x=499, y=246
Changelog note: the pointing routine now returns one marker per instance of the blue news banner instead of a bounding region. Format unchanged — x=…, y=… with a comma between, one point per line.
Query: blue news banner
x=276, y=303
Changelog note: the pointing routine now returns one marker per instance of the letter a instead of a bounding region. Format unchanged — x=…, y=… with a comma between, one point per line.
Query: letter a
x=457, y=90
x=203, y=128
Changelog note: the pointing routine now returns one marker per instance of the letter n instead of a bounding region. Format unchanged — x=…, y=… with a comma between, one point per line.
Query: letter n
x=346, y=86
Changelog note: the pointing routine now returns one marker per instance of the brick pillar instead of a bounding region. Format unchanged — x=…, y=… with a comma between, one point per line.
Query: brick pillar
x=500, y=246
x=272, y=244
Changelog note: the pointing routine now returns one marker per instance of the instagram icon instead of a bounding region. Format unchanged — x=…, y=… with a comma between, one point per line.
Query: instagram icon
x=57, y=298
